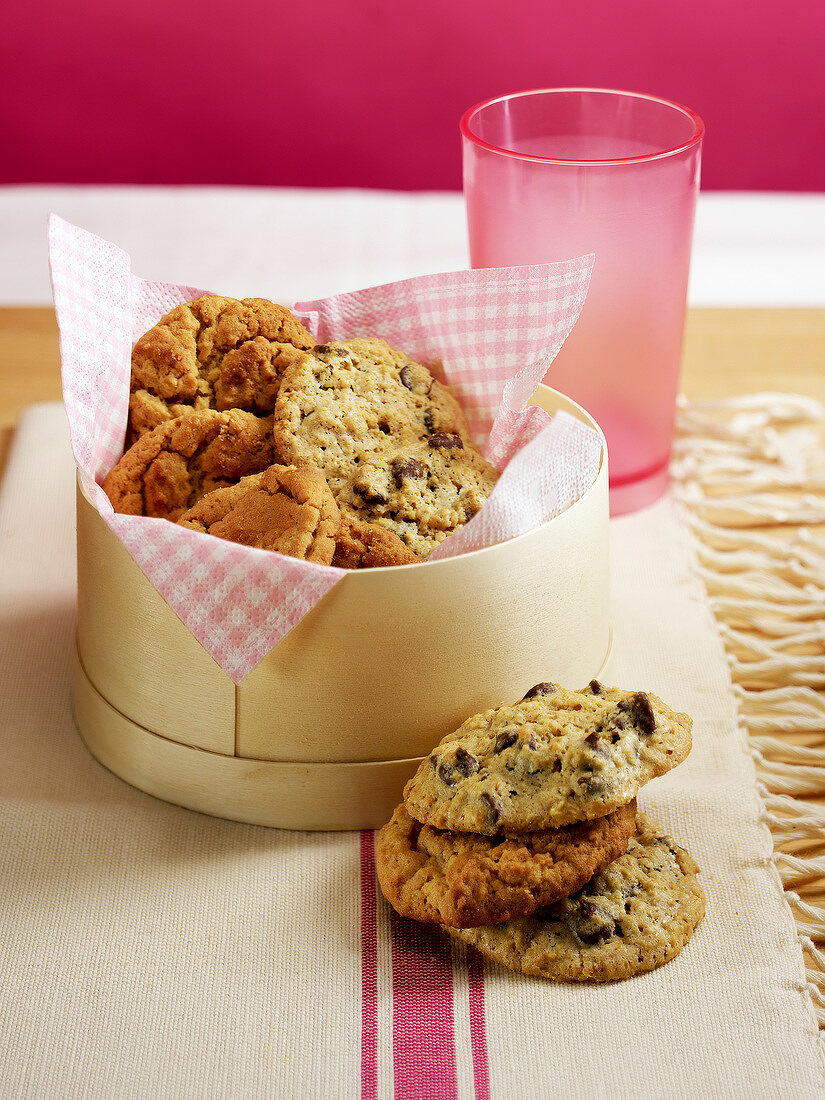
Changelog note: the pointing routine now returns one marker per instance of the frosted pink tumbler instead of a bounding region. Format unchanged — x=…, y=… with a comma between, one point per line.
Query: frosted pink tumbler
x=560, y=172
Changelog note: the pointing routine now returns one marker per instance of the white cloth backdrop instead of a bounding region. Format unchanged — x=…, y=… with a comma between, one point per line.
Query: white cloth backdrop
x=749, y=249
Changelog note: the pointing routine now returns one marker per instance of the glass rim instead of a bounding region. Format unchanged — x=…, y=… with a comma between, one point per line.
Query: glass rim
x=694, y=139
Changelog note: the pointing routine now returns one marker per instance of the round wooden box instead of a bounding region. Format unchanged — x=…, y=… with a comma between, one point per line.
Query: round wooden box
x=324, y=732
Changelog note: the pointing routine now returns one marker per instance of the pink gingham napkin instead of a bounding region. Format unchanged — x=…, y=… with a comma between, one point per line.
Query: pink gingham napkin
x=491, y=334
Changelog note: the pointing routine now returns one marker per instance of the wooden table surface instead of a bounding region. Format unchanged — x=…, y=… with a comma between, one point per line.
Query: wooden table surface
x=727, y=351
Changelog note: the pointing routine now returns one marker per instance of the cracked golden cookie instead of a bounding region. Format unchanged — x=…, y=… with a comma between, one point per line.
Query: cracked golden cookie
x=391, y=440
x=553, y=758
x=636, y=914
x=288, y=509
x=367, y=546
x=216, y=353
x=465, y=880
x=170, y=468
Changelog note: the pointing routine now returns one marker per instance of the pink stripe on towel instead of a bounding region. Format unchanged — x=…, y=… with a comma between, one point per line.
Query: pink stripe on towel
x=369, y=970
x=478, y=1025
x=423, y=1038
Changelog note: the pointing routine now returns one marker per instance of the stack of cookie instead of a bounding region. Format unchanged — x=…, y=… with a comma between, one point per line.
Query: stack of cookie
x=349, y=454
x=519, y=835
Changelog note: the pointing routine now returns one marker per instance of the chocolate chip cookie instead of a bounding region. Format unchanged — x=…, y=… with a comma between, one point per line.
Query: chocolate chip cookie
x=465, y=880
x=366, y=546
x=391, y=440
x=170, y=468
x=288, y=509
x=636, y=914
x=216, y=353
x=553, y=758
x=423, y=492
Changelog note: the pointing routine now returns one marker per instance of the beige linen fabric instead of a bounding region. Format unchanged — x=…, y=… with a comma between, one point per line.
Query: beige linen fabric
x=149, y=951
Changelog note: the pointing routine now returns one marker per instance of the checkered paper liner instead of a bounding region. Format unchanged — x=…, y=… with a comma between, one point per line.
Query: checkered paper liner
x=490, y=334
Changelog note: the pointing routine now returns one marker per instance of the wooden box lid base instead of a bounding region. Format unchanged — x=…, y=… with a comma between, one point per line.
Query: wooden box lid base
x=282, y=795
x=258, y=792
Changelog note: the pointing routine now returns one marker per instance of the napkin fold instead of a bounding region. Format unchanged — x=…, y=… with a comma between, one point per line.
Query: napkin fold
x=490, y=334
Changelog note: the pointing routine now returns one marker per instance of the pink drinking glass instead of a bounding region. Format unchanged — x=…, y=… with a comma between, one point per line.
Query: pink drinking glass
x=561, y=172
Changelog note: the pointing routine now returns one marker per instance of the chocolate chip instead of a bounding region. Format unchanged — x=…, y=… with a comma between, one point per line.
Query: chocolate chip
x=641, y=711
x=531, y=743
x=493, y=807
x=429, y=419
x=446, y=773
x=595, y=687
x=462, y=765
x=592, y=739
x=465, y=763
x=540, y=689
x=370, y=496
x=416, y=378
x=599, y=924
x=446, y=440
x=329, y=349
x=406, y=467
x=505, y=739
x=592, y=784
x=596, y=744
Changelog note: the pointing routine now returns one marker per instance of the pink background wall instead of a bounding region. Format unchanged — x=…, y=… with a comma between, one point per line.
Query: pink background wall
x=368, y=93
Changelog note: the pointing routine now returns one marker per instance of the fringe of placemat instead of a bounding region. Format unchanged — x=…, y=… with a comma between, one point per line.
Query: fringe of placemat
x=750, y=472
